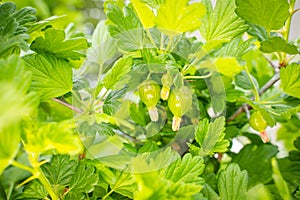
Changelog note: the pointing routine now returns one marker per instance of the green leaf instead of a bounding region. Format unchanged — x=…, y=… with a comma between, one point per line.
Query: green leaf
x=117, y=76
x=9, y=145
x=59, y=172
x=185, y=170
x=210, y=136
x=154, y=3
x=58, y=136
x=13, y=27
x=151, y=187
x=144, y=12
x=278, y=44
x=243, y=81
x=179, y=180
x=279, y=181
x=125, y=27
x=83, y=182
x=124, y=183
x=55, y=42
x=220, y=24
x=253, y=157
x=35, y=190
x=176, y=17
x=232, y=183
x=15, y=100
x=228, y=66
x=270, y=14
x=290, y=79
x=52, y=76
x=288, y=132
x=103, y=45
x=113, y=102
x=236, y=48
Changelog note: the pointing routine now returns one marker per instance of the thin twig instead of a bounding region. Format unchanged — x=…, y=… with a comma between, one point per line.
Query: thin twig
x=272, y=64
x=67, y=105
x=263, y=89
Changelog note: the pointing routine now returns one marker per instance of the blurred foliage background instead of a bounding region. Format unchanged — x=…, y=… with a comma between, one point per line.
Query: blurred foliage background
x=85, y=14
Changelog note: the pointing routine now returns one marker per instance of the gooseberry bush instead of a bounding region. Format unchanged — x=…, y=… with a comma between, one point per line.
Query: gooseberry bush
x=153, y=104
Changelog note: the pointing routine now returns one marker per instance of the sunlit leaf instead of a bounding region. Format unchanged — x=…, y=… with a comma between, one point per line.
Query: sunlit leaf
x=176, y=17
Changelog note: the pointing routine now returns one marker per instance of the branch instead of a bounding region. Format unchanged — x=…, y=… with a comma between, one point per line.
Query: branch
x=263, y=89
x=67, y=105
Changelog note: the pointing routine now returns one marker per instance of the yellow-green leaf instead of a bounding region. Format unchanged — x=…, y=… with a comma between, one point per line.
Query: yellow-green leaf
x=228, y=66
x=176, y=17
x=144, y=13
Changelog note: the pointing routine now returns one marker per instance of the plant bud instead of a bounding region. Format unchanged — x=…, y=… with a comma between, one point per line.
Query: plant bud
x=167, y=82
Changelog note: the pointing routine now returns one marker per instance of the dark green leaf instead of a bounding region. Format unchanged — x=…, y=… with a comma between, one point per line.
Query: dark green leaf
x=252, y=158
x=232, y=183
x=35, y=190
x=59, y=172
x=55, y=42
x=278, y=44
x=83, y=181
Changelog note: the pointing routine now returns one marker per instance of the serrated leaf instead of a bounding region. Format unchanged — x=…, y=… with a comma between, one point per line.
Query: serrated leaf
x=52, y=76
x=112, y=102
x=220, y=24
x=117, y=76
x=176, y=17
x=58, y=136
x=210, y=136
x=59, y=172
x=124, y=183
x=270, y=14
x=290, y=79
x=125, y=27
x=242, y=80
x=179, y=180
x=236, y=48
x=83, y=181
x=145, y=13
x=232, y=183
x=13, y=28
x=278, y=44
x=185, y=170
x=253, y=157
x=55, y=42
x=35, y=190
x=228, y=66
